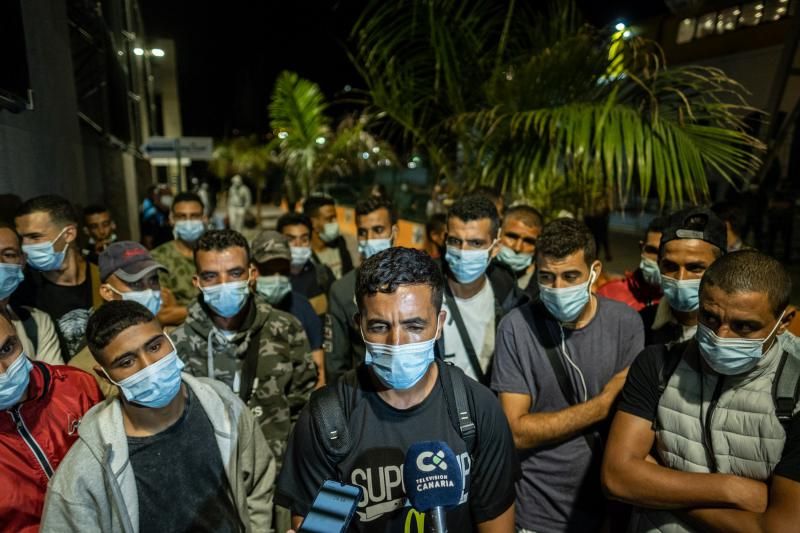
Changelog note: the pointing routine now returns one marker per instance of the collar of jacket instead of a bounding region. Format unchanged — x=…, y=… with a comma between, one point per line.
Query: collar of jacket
x=102, y=430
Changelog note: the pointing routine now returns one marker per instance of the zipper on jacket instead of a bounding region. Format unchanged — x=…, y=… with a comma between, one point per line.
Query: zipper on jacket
x=712, y=461
x=26, y=435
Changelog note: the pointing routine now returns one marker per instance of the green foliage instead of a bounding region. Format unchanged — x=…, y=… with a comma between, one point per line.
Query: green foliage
x=556, y=112
x=305, y=148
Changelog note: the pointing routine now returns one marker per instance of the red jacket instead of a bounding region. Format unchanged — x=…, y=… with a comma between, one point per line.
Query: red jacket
x=632, y=290
x=35, y=435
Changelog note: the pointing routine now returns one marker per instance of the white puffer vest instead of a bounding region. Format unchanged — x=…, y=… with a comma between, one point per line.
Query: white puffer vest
x=711, y=423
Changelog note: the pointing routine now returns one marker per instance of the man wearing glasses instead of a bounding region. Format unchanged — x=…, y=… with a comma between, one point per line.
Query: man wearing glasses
x=477, y=293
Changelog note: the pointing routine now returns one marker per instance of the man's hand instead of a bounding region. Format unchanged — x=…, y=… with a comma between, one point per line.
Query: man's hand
x=749, y=494
x=609, y=394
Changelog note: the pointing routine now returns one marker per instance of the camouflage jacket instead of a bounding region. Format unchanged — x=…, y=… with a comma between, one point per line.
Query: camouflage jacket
x=285, y=373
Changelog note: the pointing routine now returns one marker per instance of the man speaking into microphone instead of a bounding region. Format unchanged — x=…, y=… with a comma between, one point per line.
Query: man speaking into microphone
x=360, y=430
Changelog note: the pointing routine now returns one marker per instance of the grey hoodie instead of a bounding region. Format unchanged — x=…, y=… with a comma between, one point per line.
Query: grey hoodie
x=94, y=488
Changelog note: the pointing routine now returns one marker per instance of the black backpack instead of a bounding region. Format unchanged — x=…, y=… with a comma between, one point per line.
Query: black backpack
x=330, y=416
x=785, y=387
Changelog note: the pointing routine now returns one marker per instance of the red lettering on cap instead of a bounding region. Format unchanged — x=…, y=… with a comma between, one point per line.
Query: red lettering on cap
x=133, y=252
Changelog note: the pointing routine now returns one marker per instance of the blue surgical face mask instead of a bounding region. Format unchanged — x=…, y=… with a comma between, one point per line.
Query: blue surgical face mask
x=11, y=276
x=467, y=265
x=731, y=356
x=43, y=256
x=650, y=271
x=300, y=255
x=273, y=288
x=189, y=230
x=400, y=366
x=567, y=303
x=330, y=232
x=517, y=261
x=14, y=382
x=683, y=295
x=149, y=298
x=155, y=385
x=370, y=247
x=226, y=299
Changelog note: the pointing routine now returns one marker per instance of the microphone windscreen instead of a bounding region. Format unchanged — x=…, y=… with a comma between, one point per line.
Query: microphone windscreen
x=432, y=476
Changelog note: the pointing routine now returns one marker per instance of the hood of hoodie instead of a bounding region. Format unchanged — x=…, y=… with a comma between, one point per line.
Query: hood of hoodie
x=102, y=427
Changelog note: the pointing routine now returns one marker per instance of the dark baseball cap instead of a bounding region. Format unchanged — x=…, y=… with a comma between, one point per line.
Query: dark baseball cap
x=128, y=260
x=696, y=223
x=269, y=245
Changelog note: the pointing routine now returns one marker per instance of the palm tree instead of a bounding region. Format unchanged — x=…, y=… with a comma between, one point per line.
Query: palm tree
x=557, y=112
x=308, y=149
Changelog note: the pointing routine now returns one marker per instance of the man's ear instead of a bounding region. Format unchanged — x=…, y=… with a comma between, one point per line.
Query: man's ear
x=357, y=320
x=70, y=233
x=788, y=317
x=106, y=293
x=442, y=319
x=196, y=281
x=597, y=266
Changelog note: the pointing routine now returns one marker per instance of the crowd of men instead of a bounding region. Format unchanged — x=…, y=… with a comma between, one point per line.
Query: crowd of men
x=214, y=383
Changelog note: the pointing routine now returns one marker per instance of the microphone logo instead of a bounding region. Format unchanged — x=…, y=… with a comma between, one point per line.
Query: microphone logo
x=428, y=461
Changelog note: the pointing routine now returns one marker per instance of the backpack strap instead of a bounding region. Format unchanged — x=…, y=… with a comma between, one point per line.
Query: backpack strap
x=455, y=394
x=671, y=361
x=461, y=326
x=786, y=388
x=330, y=419
x=330, y=423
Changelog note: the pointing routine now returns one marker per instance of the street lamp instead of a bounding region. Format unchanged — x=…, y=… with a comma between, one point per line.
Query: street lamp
x=157, y=52
x=620, y=26
x=138, y=51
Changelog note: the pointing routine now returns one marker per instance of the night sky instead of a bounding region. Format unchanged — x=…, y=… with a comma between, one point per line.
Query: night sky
x=229, y=56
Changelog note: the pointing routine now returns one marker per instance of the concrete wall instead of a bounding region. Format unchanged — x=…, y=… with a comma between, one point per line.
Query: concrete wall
x=49, y=149
x=40, y=150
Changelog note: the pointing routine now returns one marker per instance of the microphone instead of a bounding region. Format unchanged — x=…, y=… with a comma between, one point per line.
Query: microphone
x=432, y=480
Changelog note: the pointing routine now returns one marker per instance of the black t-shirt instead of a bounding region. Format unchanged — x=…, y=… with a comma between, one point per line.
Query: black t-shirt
x=640, y=398
x=180, y=479
x=311, y=283
x=55, y=300
x=381, y=436
x=297, y=305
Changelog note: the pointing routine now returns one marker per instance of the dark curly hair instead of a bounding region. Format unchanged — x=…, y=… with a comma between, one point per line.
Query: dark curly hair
x=293, y=219
x=315, y=202
x=473, y=207
x=373, y=203
x=220, y=239
x=386, y=271
x=186, y=197
x=111, y=319
x=565, y=236
x=60, y=210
